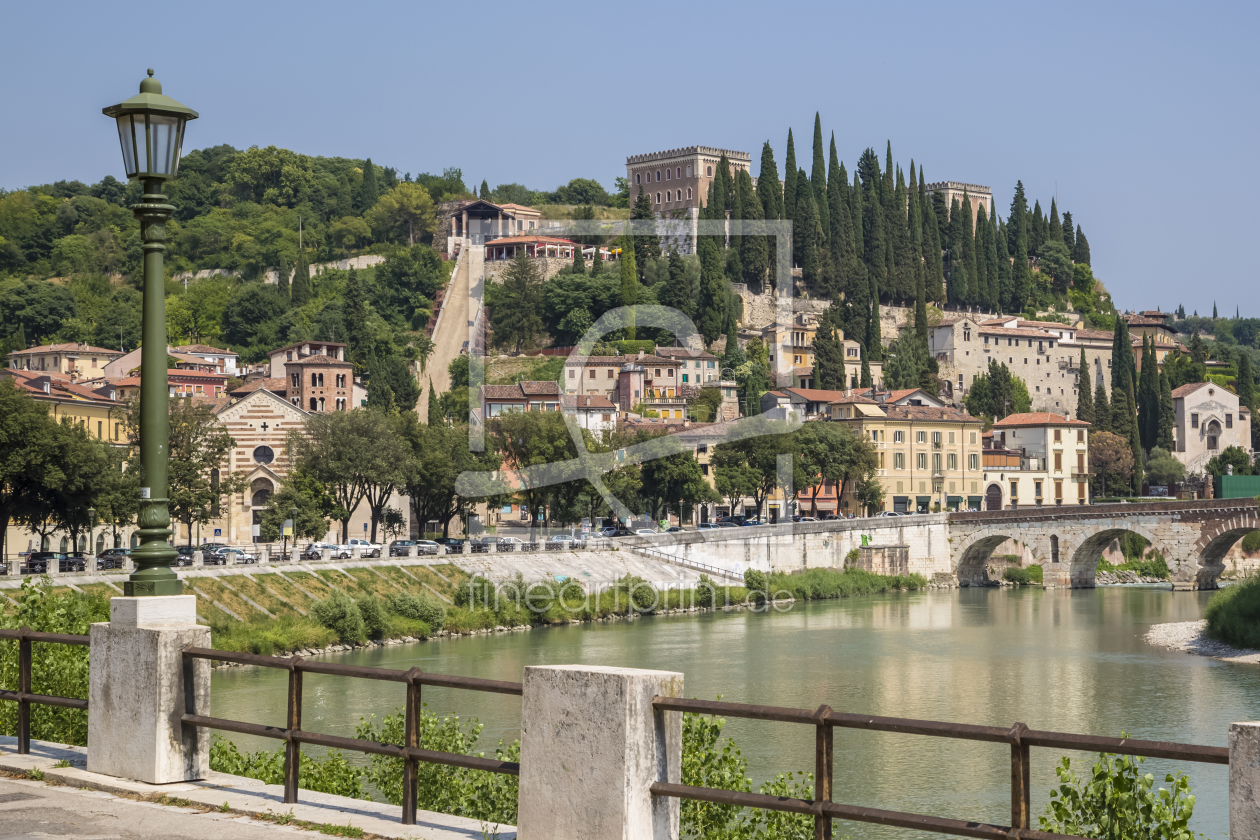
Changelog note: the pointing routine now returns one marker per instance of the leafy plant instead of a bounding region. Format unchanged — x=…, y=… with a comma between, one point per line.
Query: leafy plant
x=330, y=774
x=375, y=621
x=1233, y=614
x=418, y=608
x=339, y=613
x=475, y=794
x=1119, y=802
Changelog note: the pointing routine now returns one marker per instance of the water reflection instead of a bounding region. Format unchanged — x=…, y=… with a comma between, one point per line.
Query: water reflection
x=1060, y=660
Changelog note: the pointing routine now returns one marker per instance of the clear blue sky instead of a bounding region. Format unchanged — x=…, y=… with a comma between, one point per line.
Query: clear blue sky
x=1142, y=116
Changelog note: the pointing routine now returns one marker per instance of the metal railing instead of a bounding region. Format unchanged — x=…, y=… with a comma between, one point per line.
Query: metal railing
x=23, y=696
x=825, y=720
x=293, y=735
x=690, y=564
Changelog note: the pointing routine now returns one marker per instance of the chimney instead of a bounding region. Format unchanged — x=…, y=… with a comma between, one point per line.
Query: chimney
x=640, y=354
x=47, y=386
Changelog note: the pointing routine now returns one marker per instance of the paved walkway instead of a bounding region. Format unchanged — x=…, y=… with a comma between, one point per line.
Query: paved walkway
x=71, y=802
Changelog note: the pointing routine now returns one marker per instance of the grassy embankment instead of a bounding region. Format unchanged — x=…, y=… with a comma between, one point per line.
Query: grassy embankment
x=274, y=612
x=1233, y=614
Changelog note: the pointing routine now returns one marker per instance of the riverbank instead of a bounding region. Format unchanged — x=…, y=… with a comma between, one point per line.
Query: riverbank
x=1192, y=637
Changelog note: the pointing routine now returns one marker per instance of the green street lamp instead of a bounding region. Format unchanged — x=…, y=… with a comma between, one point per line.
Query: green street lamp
x=151, y=131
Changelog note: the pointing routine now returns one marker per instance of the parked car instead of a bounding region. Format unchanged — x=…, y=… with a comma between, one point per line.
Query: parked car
x=516, y=542
x=672, y=529
x=749, y=523
x=449, y=541
x=4, y=568
x=645, y=532
x=727, y=525
x=230, y=556
x=206, y=548
x=707, y=526
x=427, y=547
x=737, y=519
x=398, y=548
x=561, y=539
x=366, y=548
x=37, y=563
x=315, y=551
x=888, y=513
x=804, y=518
x=607, y=532
x=112, y=558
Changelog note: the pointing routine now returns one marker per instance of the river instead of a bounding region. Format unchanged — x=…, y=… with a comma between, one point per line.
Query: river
x=1071, y=661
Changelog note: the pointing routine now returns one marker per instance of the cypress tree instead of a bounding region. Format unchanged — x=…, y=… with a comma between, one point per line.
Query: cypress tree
x=1148, y=397
x=968, y=251
x=629, y=284
x=905, y=260
x=646, y=244
x=1214, y=315
x=1036, y=229
x=808, y=228
x=282, y=276
x=753, y=253
x=789, y=180
x=1056, y=227
x=872, y=222
x=1080, y=252
x=865, y=381
x=711, y=306
x=368, y=192
x=855, y=210
x=1135, y=442
x=1245, y=384
x=933, y=264
x=579, y=261
x=435, y=408
x=355, y=317
x=828, y=350
x=818, y=179
x=874, y=341
x=1166, y=416
x=1102, y=410
x=981, y=251
x=769, y=190
x=1069, y=232
x=1084, y=393
x=485, y=190
x=300, y=290
x=1021, y=281
x=597, y=265
x=920, y=313
x=677, y=292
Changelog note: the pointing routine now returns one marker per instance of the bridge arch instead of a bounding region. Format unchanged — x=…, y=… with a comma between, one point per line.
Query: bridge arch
x=973, y=555
x=1216, y=541
x=1085, y=557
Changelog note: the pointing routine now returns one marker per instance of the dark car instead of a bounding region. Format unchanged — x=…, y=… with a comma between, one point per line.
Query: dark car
x=449, y=541
x=737, y=519
x=37, y=563
x=111, y=558
x=619, y=532
x=398, y=548
x=183, y=555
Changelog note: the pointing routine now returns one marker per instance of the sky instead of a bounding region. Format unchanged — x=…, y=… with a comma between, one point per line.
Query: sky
x=1140, y=118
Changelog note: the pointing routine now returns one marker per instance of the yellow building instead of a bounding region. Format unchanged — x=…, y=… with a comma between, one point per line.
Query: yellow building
x=791, y=350
x=929, y=453
x=100, y=411
x=1037, y=459
x=83, y=360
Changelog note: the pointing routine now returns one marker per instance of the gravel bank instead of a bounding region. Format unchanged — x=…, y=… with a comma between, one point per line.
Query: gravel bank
x=1192, y=637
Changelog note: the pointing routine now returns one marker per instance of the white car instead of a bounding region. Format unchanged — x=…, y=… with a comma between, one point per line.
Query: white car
x=513, y=541
x=889, y=513
x=366, y=549
x=427, y=547
x=646, y=532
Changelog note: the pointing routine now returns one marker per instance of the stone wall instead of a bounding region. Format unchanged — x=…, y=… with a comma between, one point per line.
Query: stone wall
x=550, y=267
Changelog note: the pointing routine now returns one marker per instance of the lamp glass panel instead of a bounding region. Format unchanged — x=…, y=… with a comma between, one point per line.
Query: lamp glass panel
x=127, y=140
x=164, y=146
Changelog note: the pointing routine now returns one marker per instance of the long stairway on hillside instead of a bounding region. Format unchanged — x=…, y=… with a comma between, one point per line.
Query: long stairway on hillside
x=451, y=331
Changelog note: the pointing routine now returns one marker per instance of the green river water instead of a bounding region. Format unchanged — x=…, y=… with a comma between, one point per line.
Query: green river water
x=1071, y=661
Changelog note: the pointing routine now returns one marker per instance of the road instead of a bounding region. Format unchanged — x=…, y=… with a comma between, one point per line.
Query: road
x=449, y=337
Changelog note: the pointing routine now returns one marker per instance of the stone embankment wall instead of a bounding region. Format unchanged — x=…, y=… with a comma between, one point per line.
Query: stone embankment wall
x=550, y=267
x=271, y=275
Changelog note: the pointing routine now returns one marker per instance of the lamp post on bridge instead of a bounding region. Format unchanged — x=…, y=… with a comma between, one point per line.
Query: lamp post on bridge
x=151, y=132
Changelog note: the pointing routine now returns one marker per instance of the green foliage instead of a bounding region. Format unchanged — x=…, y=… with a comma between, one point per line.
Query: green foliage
x=1251, y=542
x=418, y=608
x=1231, y=456
x=375, y=620
x=997, y=393
x=330, y=774
x=60, y=670
x=514, y=315
x=1163, y=468
x=1233, y=614
x=1023, y=576
x=475, y=794
x=1117, y=802
x=1156, y=567
x=341, y=614
x=826, y=584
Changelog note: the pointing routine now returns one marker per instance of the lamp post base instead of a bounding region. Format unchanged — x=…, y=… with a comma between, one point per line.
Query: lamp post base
x=153, y=581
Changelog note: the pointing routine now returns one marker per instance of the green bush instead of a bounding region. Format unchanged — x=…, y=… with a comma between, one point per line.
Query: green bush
x=823, y=584
x=1251, y=542
x=418, y=608
x=756, y=583
x=375, y=620
x=705, y=592
x=1154, y=567
x=1233, y=614
x=477, y=592
x=1023, y=576
x=330, y=774
x=1117, y=802
x=341, y=615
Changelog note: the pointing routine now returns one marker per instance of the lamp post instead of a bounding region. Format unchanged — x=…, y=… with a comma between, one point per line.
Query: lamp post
x=91, y=512
x=151, y=131
x=292, y=525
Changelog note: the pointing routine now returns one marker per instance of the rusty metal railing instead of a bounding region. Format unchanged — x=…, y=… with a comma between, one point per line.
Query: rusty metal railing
x=23, y=696
x=825, y=720
x=294, y=736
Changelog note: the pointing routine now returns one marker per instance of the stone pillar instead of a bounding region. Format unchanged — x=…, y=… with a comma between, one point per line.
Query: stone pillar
x=1244, y=781
x=264, y=556
x=603, y=745
x=199, y=559
x=295, y=555
x=412, y=552
x=355, y=554
x=325, y=554
x=138, y=687
x=52, y=567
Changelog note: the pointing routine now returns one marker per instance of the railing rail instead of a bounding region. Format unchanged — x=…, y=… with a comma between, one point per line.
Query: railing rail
x=690, y=564
x=294, y=736
x=23, y=696
x=825, y=720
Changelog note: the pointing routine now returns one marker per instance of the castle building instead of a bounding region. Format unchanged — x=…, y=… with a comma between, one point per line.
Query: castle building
x=980, y=196
x=677, y=181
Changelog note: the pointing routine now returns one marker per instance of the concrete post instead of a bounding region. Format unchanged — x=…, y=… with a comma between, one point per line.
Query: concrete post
x=412, y=552
x=1244, y=781
x=355, y=553
x=603, y=745
x=139, y=686
x=295, y=555
x=52, y=567
x=199, y=559
x=325, y=554
x=264, y=556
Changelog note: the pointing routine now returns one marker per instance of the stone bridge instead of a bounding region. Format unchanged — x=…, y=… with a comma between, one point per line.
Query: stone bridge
x=1066, y=542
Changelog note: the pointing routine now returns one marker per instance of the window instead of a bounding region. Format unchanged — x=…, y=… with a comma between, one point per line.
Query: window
x=1058, y=462
x=936, y=462
x=669, y=196
x=264, y=455
x=678, y=172
x=708, y=171
x=1058, y=492
x=592, y=374
x=321, y=380
x=1194, y=421
x=1037, y=489
x=669, y=175
x=967, y=334
x=638, y=178
x=1229, y=421
x=610, y=373
x=1080, y=462
x=1058, y=435
x=1080, y=433
x=1014, y=490
x=99, y=425
x=936, y=437
x=689, y=193
x=899, y=461
x=658, y=372
x=314, y=403
x=951, y=437
x=685, y=377
x=953, y=461
x=1054, y=549
x=689, y=170
x=899, y=437
x=572, y=373
x=972, y=439
x=658, y=198
x=658, y=176
x=922, y=437
x=922, y=461
x=973, y=461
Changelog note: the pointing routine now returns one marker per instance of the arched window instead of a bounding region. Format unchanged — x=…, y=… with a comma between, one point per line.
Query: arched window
x=689, y=193
x=708, y=171
x=64, y=545
x=668, y=175
x=314, y=403
x=1054, y=549
x=669, y=196
x=321, y=403
x=321, y=380
x=658, y=175
x=678, y=172
x=1213, y=435
x=638, y=178
x=260, y=492
x=214, y=491
x=296, y=379
x=100, y=542
x=82, y=543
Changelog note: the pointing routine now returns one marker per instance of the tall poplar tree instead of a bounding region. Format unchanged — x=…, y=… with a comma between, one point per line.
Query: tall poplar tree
x=753, y=253
x=1069, y=232
x=968, y=250
x=769, y=190
x=629, y=284
x=711, y=306
x=1080, y=250
x=818, y=178
x=920, y=312
x=1102, y=409
x=829, y=350
x=1084, y=392
x=1056, y=226
x=933, y=264
x=809, y=230
x=905, y=261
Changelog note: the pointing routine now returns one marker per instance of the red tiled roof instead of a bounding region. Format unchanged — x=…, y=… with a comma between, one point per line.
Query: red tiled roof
x=1050, y=325
x=1188, y=389
x=278, y=385
x=298, y=344
x=648, y=359
x=1017, y=333
x=684, y=353
x=927, y=412
x=1100, y=335
x=205, y=348
x=854, y=399
x=67, y=348
x=815, y=394
x=320, y=359
x=1038, y=418
x=501, y=392
x=525, y=240
x=176, y=374
x=540, y=388
x=588, y=401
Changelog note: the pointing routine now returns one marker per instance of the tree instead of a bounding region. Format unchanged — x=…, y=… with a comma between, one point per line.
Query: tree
x=761, y=455
x=677, y=291
x=769, y=190
x=355, y=316
x=829, y=350
x=368, y=190
x=1055, y=261
x=753, y=250
x=907, y=365
x=1020, y=285
x=28, y=456
x=1148, y=397
x=1112, y=461
x=647, y=244
x=1167, y=417
x=711, y=305
x=789, y=182
x=311, y=522
x=828, y=452
x=531, y=439
x=515, y=318
x=1102, y=409
x=437, y=455
x=629, y=282
x=997, y=393
x=1080, y=250
x=818, y=179
x=300, y=290
x=406, y=285
x=1084, y=392
x=674, y=481
x=1232, y=456
x=485, y=190
x=1163, y=468
x=350, y=454
x=434, y=415
x=391, y=384
x=404, y=213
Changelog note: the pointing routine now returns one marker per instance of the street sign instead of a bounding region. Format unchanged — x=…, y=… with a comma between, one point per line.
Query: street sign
x=218, y=532
x=256, y=530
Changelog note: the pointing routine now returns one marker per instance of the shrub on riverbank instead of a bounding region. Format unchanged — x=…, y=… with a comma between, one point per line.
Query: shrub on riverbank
x=330, y=774
x=1153, y=567
x=1020, y=576
x=1233, y=614
x=825, y=584
x=271, y=636
x=1118, y=800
